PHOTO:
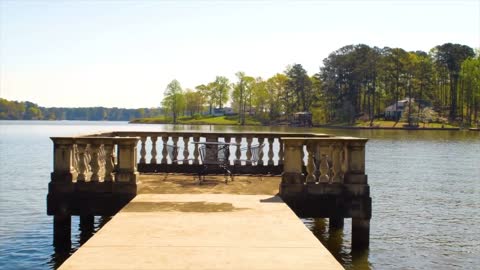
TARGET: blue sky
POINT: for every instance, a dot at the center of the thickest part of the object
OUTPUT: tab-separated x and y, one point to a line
124	53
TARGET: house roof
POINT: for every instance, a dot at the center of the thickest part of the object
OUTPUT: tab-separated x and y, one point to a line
400	105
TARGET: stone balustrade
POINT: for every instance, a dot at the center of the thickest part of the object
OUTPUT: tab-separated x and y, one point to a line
322	175
90	160
329	182
92	175
153	155
329	160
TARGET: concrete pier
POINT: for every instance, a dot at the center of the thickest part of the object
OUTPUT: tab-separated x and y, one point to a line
203	231
322	176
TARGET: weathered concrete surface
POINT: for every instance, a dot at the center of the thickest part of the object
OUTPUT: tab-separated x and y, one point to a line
213	184
203	231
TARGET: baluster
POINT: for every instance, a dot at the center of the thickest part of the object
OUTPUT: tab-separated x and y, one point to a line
109	162
324	167
260	153
94	163
270	151
164	149
310	163
185	149
101	159
227	140
143	151
249	148
337	166
88	157
302	154
238	152
75	158
196	139
317	159
175	153
64	161
344	159
153	160
280	152
82	162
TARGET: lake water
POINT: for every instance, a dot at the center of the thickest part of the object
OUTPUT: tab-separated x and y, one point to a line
425	187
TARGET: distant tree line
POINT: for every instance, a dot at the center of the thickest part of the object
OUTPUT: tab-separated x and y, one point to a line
355	81
14	110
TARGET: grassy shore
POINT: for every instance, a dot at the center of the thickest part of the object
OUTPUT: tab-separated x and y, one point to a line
233	120
391	124
204	120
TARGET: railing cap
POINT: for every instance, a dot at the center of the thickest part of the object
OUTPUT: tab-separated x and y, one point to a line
339	138
220	133
99	140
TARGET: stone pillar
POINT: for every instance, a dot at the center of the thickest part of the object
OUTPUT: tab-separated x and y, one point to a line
86	222
127	160
86	227
357	186
292	177
63	160
62	232
355	159
360	233
336	222
361	215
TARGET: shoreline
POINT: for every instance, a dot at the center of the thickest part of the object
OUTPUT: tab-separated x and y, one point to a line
250	125
389	128
322	126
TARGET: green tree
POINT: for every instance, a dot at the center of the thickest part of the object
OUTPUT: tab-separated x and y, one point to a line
242	94
260	98
451	57
470	75
276	87
194	101
206	91
220	90
173	100
394	75
299	88
349	81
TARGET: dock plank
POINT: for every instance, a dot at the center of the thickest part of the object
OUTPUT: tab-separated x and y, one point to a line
203	231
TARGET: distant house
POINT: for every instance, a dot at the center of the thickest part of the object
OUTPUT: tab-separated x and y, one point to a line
228	110
393	112
223	111
301	119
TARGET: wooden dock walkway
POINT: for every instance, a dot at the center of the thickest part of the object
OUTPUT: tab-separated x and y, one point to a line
203	231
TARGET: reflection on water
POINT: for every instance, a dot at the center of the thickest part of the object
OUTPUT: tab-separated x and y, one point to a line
338	243
79	237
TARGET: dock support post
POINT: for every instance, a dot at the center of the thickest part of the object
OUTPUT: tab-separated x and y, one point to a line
62	228
86	227
360	233
86	222
336	222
